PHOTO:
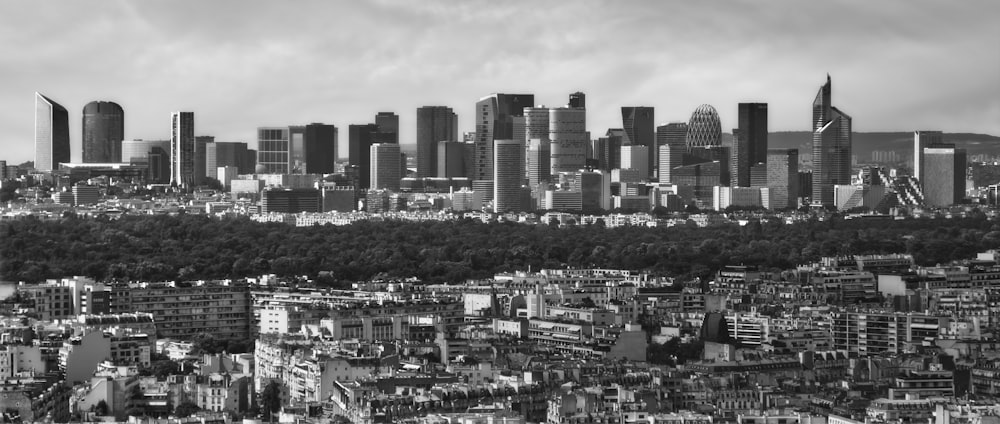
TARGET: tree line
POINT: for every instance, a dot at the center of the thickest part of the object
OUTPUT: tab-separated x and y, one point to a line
188	247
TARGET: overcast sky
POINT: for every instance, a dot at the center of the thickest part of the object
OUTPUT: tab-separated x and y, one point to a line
896	65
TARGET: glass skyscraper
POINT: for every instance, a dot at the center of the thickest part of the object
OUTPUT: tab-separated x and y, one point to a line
494	117
51	134
434	125
831	150
182	148
103	132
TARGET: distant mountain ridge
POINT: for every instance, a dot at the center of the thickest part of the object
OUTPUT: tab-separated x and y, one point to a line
864	143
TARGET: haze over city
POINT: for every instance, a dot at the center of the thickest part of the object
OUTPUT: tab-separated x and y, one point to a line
897	66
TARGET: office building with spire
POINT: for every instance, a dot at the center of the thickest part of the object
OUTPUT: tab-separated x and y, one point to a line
831	149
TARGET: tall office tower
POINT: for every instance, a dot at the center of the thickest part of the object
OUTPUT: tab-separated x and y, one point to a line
638	124
494	117
385	166
636	157
704	128
220	154
921	140
577	99
539	161
51	134
388	127
182	148
434	125
273	150
103	132
607	150
320	148
450	159
831	150
508	174
250	162
783	177
154	154
201	143
536	127
944	175
749	142
359	141
595	188
569	138
3	170
297	149
671	143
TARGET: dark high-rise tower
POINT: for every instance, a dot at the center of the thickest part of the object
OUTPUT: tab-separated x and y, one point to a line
103	132
51	134
388	127
182	148
638	124
359	142
320	148
577	99
749	143
671	145
831	150
494	116
434	125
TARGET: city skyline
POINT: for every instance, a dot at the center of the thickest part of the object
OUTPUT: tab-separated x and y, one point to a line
877	57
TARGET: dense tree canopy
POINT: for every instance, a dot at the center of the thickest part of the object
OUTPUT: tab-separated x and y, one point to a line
195	247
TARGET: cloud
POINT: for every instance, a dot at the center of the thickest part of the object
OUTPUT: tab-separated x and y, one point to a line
896	65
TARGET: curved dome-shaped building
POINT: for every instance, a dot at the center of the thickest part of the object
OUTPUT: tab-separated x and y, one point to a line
704	128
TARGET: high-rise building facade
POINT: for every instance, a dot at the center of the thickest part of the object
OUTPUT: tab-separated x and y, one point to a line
704	128
222	154
508	175
831	150
944	175
539	165
201	143
274	149
921	140
320	145
103	132
671	142
388	127
636	157
51	134
297	149
182	148
359	141
637	121
494	118
434	125
577	99
569	138
783	177
749	142
450	159
385	166
155	154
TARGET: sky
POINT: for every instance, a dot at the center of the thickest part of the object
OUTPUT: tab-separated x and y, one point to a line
896	65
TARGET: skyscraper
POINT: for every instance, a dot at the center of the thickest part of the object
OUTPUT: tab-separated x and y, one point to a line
494	117
220	154
297	149
434	125
385	166
636	157
944	175
450	159
921	140
671	142
569	138
749	142
201	143
359	141
831	150
388	127
320	148
155	154
508	175
704	128
51	134
103	132
638	124
539	162
274	149
783	177
577	99
182	148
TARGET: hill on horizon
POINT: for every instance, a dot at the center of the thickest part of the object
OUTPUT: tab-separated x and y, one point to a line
864	143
